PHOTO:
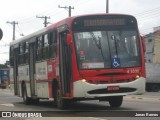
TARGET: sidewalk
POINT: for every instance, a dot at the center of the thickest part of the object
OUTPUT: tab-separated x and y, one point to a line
149	96
5	90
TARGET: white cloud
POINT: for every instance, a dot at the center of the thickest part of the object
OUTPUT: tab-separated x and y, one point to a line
146	24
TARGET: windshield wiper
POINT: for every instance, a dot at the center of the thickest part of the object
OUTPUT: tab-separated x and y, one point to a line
97	41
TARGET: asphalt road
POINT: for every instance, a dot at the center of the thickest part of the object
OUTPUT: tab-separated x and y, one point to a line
90	110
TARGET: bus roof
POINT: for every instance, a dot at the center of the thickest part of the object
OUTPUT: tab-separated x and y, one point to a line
54	26
39	32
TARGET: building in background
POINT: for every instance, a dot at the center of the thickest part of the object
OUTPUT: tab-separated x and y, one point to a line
156	57
152	56
149	42
152	42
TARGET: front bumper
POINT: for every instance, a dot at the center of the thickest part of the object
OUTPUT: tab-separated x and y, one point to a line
86	90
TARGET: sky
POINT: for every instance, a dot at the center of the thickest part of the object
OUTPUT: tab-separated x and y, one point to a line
24	12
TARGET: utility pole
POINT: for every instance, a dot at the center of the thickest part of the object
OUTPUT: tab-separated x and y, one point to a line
14	27
68	9
45	20
107	6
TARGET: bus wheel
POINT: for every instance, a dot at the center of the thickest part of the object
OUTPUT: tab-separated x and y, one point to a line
35	101
60	102
116	101
26	99
155	88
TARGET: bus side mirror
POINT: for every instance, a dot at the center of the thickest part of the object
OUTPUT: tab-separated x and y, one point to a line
1	34
69	39
143	44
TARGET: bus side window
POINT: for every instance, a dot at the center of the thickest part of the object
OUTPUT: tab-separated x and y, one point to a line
39	45
52	44
45	49
26	55
20	54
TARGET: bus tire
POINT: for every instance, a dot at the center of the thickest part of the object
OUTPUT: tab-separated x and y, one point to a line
34	101
26	99
155	88
60	102
116	101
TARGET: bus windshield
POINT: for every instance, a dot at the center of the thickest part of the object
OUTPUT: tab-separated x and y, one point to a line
107	49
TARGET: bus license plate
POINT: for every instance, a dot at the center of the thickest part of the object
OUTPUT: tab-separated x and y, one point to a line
114	88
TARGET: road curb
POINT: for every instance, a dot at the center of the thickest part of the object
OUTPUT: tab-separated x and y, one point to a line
5	90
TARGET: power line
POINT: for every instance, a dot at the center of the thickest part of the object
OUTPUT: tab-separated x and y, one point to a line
69	8
6	44
20	31
76	2
51	11
45	20
147	12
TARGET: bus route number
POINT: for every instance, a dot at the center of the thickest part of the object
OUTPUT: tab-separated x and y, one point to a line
133	71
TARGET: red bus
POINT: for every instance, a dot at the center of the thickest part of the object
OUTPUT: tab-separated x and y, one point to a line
89	57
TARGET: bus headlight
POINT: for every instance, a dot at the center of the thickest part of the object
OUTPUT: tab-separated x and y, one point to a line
84	80
137	76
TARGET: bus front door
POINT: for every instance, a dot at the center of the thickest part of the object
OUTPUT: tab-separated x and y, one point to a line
32	57
65	64
15	72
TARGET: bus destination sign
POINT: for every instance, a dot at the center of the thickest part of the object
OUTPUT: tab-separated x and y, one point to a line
103	22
